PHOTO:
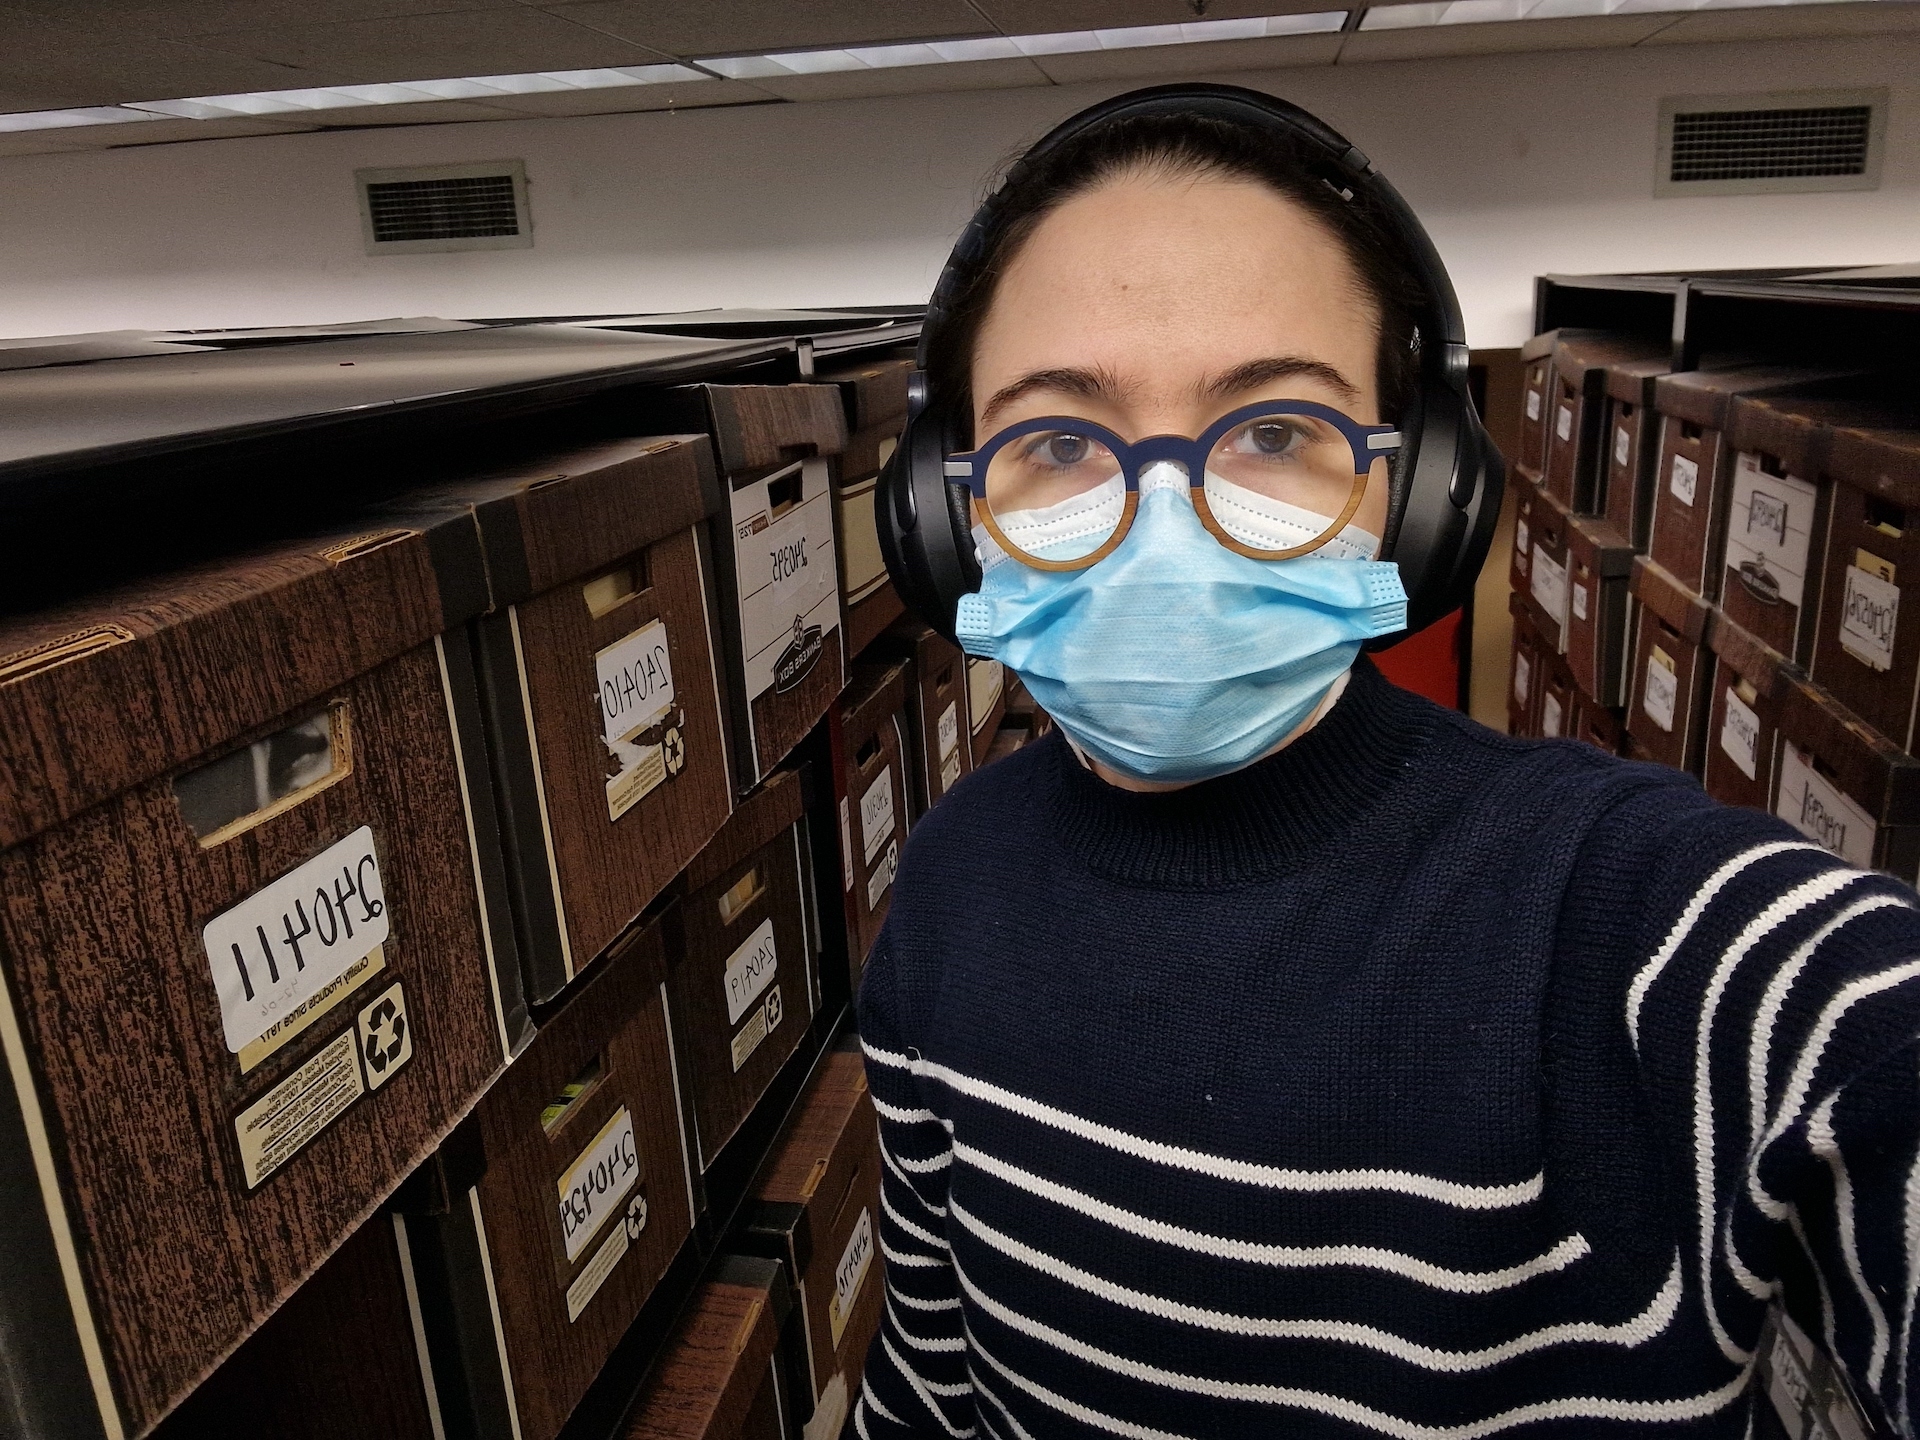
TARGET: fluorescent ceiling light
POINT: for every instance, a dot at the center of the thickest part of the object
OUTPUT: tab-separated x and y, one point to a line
69	119
1016	47
1479	12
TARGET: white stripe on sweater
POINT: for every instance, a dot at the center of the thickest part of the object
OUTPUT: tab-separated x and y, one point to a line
1637	1331
1393	1262
1690	1407
925	1390
1826	1145
1809	892
949	1344
886	1156
1222	1167
1689	917
926	1237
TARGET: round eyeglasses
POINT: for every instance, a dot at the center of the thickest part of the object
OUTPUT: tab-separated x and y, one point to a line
1279	478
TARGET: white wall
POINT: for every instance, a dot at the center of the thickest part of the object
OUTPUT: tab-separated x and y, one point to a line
1520	164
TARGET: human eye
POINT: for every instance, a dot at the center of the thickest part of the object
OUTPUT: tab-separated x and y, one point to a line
1057	450
1271	439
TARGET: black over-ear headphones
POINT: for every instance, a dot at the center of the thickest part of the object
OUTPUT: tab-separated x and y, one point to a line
1447	480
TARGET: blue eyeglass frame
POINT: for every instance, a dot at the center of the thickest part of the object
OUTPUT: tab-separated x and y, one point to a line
1368	443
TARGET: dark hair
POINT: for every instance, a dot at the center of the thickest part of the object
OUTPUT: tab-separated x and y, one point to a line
1183	145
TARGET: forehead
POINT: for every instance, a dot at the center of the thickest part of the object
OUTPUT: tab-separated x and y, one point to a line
1150	276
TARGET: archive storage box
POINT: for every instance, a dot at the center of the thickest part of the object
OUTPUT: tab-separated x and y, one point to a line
1548	592
1559	705
1667	711
869	736
338	1361
1599	726
1520	559
986	703
1536	378
720	1376
875	398
583	1200
1630	445
600	696
252	975
1845	785
782	644
939	745
817	1210
741	952
1866	651
1527	676
1576	437
1599	561
1749	680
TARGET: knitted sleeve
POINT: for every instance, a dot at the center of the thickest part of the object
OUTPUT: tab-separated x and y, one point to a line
916	1375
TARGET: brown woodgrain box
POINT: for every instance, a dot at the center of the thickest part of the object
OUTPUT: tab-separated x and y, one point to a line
1549	588
986	703
1844	784
257	963
875	397
1667	707
585	1199
1527	672
1559	705
1865	650
1577	440
1536	381
600	695
720	1377
1599	726
1693	478
1630	445
742	949
939	737
782	642
1520	558
869	738
1749	680
338	1361
817	1209
1599	561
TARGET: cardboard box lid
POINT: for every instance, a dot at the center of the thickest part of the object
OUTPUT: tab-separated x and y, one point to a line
1881	458
1702	397
1600	545
560	515
117	688
1756	662
1666	597
705	1382
755	822
1548	515
873	393
1632	380
1585	357
822	1136
877	693
1869	768
1797	427
1540	347
758	427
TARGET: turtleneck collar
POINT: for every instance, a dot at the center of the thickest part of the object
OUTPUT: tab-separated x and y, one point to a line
1253	822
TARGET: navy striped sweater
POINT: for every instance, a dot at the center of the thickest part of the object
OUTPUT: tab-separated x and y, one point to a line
1415	1082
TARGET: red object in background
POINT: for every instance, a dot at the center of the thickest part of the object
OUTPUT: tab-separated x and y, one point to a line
1428	663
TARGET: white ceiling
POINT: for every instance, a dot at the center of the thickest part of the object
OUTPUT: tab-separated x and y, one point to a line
63	54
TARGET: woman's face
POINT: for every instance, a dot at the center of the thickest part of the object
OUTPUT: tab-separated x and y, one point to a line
1154	306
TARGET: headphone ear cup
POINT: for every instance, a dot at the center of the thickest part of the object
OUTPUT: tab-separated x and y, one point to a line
926	537
1450	482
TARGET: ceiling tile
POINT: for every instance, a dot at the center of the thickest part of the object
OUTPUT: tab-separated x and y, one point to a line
624	99
1217	57
750	27
433	47
1795	22
181	18
424	112
1040	17
906	80
41	142
1591	32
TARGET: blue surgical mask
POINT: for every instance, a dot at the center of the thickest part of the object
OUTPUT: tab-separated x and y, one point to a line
1175	658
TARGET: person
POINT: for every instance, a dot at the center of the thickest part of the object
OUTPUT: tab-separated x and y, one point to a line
1269	1051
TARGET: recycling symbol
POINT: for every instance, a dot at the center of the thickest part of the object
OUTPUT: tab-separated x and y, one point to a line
636	1216
386	1040
774	1009
675	746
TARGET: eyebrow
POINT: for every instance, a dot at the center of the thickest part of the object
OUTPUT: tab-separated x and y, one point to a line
1098	383
1278	367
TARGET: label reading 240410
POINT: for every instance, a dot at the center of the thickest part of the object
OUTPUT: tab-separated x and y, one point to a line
283	950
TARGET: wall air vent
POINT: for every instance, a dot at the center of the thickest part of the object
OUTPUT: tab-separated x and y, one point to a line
1769	144
445	207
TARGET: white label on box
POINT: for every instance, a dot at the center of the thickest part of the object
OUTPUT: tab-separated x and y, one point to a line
280	1123
282	949
789	578
850	1274
1522	677
876	814
1550	715
636	683
1770	531
592	1187
588	1284
863	569
750	969
1662	689
950	729
1579	602
882	875
949	772
1563	422
1549	586
1684	480
1740	735
1522	537
984	681
1533	404
1622	444
1869	610
846	844
1820	812
764	1021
